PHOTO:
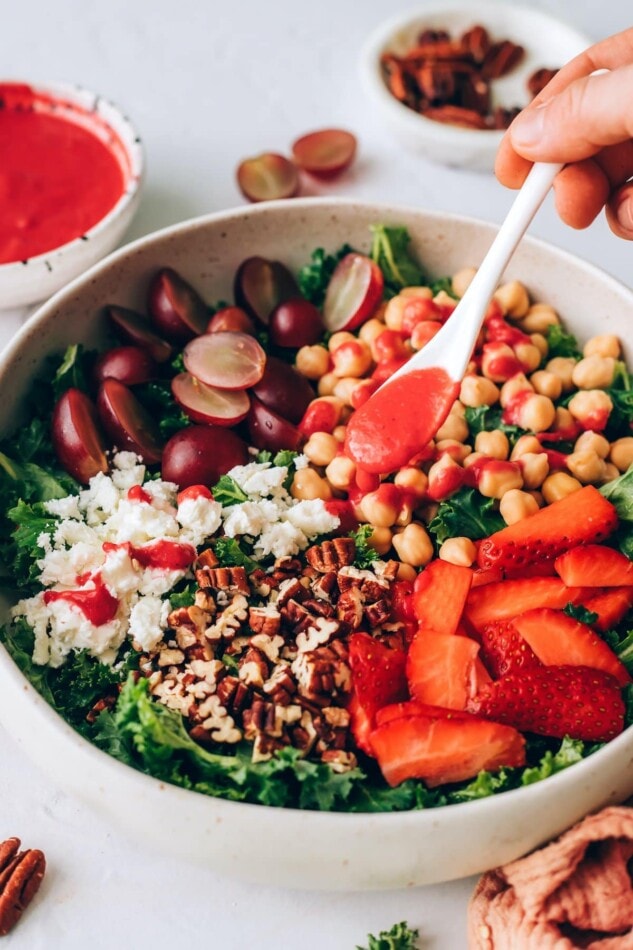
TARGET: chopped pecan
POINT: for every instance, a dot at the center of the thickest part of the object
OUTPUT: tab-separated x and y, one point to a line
437	81
400	82
269	646
234	695
456	115
320	632
500	59
432	36
539	79
446	50
206	558
264	620
264	747
216	720
108	702
281	686
321	675
378	612
168	657
290	588
349	608
260	582
253	668
324	585
474	93
476	41
261	717
331	555
371	586
303	735
224	578
339	760
229	621
21	874
205	601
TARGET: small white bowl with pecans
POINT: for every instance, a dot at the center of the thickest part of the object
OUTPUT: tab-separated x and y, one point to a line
447	81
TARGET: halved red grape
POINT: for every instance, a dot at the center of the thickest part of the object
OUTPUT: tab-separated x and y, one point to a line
77	437
127	422
295	323
135	329
268	430
260	285
353	294
233	319
207	404
177	309
199	455
226	360
128	364
284	390
325	153
267	177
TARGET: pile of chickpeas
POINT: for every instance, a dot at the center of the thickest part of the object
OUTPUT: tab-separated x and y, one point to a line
520	479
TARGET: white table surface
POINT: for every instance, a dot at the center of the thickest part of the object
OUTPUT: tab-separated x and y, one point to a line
209	83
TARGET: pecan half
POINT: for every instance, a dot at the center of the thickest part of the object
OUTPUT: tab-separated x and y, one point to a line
500	59
476	41
538	80
21	874
456	115
224	578
332	555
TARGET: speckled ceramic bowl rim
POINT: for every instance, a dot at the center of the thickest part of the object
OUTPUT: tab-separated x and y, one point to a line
443	133
114	117
366	820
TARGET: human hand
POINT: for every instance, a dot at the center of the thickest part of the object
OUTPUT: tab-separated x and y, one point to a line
587	122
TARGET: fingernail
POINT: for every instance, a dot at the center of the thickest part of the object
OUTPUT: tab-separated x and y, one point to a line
624	212
527	128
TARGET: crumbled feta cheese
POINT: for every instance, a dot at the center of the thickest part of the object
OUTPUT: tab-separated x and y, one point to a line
312	517
258	478
200	518
280	540
249	517
301	461
148	620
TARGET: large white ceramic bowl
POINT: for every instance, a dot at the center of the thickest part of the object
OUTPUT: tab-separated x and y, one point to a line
283	846
547	42
24	283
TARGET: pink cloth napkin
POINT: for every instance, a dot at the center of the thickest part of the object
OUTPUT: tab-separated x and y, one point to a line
575	892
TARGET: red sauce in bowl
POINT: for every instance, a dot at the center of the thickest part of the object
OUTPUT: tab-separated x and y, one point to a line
62	170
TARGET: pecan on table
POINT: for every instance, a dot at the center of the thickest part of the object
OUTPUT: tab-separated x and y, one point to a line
21	874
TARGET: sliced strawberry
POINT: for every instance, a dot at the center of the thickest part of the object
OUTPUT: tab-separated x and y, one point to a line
402	602
504	649
441	669
490	575
594	565
506	599
361	725
378	673
439	595
611	605
559	640
540	569
413	708
444	750
555	701
583	517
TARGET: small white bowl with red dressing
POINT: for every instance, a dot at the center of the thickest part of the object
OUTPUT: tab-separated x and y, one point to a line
70	183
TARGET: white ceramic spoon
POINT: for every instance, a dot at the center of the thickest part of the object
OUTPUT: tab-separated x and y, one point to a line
402	418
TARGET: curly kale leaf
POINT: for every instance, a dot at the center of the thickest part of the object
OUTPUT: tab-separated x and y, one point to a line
315	276
561	343
466	514
227	492
487	418
230	554
364	553
443	284
578	612
399	937
390	250
157	398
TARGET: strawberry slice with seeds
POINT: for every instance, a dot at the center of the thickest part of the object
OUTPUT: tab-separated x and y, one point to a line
583	517
439	750
439	595
490	575
611	605
361	725
413	708
555	701
505	650
506	599
594	565
559	640
443	669
378	673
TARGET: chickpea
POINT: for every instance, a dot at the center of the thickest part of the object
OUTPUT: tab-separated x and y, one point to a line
413	480
592	442
394	312
472	458
591	407
538	498
308	485
546	384
538	318
498	362
313	362
513	298
594	372
519	383
586	466
380	540
444	477
344	388
611	471
377	511
534	468
528	355
423	332
564	420
456	450
540	343
444	299
424	292
337	339
462	280
537	413
478	391
413	545
605	344
321	448
494	444
458	409
406	572
405	515
517	505
563	367
428	512
339	432
325	386
370	330
455	427
346	414
459	551
341	473
621	454
525	444
497	478
352	358
558	486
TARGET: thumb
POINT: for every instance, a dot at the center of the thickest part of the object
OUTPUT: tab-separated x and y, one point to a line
587	115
